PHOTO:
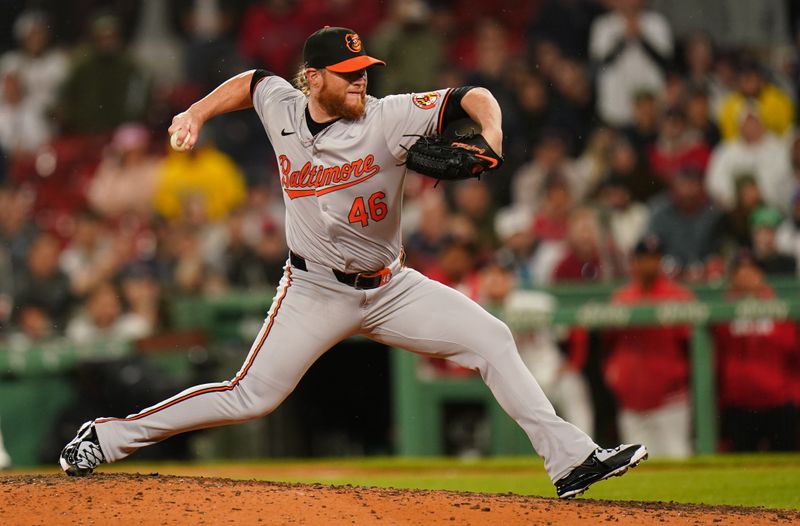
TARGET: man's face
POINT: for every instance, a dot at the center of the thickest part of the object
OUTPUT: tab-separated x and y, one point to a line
646	266
344	94
747	278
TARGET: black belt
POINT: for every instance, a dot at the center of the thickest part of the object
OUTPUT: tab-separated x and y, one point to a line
357	280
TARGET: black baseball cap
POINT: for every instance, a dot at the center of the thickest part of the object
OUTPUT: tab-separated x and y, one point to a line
338	49
649	245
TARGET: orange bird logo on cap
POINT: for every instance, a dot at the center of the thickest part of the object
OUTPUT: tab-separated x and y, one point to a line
353	42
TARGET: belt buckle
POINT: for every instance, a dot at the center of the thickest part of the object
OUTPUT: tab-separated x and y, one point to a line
385	276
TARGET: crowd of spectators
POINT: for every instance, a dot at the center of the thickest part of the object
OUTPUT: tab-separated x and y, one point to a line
620	122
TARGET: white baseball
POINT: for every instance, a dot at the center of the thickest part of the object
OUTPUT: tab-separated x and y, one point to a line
173	141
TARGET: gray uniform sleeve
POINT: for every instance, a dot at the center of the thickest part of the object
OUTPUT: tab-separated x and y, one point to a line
411	114
269	91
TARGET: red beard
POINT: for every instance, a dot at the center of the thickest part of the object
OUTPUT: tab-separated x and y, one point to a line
334	103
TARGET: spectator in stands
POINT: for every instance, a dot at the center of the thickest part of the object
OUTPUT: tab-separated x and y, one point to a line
630	48
594	162
737	220
41	69
104	320
203	180
550	160
632	169
678	147
559	377
549	227
699	116
42	282
758	152
572	105
23	128
590	255
92	255
625	219
104	88
755	363
764	223
532	99
642	132
647	368
142	294
774	108
473	203
32	325
699	58
456	267
787	237
272	250
409	43
155	46
566	23
241	264
125	181
17	229
432	232
210	53
190	272
673	95
517	244
493	44
687	224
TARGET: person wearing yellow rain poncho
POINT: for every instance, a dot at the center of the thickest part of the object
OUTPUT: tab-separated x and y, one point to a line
204	180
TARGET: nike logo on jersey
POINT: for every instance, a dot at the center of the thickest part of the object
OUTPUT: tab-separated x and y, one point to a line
285	133
320	180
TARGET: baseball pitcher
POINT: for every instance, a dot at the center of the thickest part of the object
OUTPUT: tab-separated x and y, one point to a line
341	156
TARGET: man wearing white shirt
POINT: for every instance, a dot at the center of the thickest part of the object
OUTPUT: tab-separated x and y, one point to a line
757	153
630	48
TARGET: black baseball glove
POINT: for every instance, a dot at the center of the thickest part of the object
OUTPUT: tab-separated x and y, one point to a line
452	158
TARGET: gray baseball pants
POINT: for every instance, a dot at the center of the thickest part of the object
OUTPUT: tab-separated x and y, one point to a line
310	313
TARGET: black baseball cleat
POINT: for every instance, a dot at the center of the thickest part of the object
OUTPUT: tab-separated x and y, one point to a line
600	465
83	453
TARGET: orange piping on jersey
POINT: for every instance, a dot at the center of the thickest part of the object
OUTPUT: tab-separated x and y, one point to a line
441	111
236	380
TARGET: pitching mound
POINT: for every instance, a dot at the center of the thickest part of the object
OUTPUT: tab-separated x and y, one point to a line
121	499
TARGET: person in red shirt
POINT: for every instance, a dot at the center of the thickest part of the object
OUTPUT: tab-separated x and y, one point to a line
756	362
647	368
678	147
589	255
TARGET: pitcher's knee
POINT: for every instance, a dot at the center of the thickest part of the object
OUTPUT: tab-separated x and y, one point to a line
497	336
255	399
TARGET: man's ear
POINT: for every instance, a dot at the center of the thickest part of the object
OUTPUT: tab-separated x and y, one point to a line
314	76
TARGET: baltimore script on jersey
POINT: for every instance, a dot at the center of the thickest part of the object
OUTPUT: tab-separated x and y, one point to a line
319	179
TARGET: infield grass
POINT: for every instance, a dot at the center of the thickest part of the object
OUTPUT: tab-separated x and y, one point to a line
767	480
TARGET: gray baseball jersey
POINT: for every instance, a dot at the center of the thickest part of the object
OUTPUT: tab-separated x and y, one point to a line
343	191
343	187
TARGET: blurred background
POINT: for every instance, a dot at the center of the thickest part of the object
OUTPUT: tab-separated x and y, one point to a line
651	158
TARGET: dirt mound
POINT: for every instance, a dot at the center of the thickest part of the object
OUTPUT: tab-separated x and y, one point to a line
122	499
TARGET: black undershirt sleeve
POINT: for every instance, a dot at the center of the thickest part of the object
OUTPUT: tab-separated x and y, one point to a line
257	76
451	110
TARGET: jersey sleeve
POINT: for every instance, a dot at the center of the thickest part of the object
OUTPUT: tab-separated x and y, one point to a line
269	91
405	117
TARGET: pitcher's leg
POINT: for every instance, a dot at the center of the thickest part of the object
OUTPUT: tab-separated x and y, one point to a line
301	325
424	316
